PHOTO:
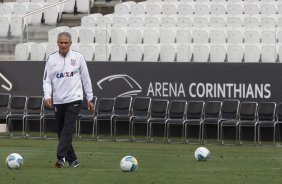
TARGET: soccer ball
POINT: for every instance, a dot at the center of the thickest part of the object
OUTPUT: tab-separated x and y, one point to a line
128	164
202	153
14	161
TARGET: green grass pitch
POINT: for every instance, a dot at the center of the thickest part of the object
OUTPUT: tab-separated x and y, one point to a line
159	163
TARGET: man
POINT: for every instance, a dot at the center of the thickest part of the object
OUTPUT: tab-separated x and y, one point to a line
65	74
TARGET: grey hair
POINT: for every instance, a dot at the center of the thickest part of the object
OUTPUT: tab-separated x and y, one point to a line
66	34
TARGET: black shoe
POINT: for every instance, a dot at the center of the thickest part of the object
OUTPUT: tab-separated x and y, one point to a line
60	163
74	164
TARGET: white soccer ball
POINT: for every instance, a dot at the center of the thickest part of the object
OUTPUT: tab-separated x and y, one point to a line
128	164
202	153
14	161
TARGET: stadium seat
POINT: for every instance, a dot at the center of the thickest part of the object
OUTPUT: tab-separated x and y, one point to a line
152	21
102	36
86	117
102	52
134	36
251	36
87	35
201	52
87	50
118	52
194	116
200	36
120	21
184	22
84	6
136	21
268	53
118	35
138	8
201	9
123	8
251	8
74	31
268	8
247	118
90	20
217	35
140	114
185	9
22	51
217	21
268	36
167	36
176	115
183	53
134	52
251	22
121	114
168	21
229	117
158	115
252	53
235	53
218	52
53	14
36	18
69	6
38	52
151	52
200	22
6	8
167	52
17	112
183	36
268	22
105	21
104	112
234	36
151	36
234	21
5	26
266	119
211	118
235	8
218	8
20	9
34	111
153	8
169	9
17	25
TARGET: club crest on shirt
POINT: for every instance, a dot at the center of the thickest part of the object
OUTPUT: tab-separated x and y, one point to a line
73	62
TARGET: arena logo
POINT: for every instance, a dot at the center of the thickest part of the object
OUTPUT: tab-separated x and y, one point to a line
8	85
209	90
122	84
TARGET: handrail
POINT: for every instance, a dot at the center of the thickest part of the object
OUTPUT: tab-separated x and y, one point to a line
35	11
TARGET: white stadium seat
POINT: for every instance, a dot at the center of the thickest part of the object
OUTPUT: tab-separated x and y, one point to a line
22	51
152	21
138	8
120	21
118	35
268	53
169	9
251	8
90	20
38	52
51	48
134	52
102	36
150	36
218	36
87	50
105	21
20	9
252	36
69	6
167	52
218	52
168	21
184	53
185	9
184	21
234	21
151	52
167	36
201	21
202	8
268	36
136	21
235	53
118	52
52	15
200	36
84	6
251	22
17	25
201	52
234	35
87	35
102	52
235	8
123	8
268	8
153	8
183	36
134	36
218	8
252	53
5	25
36	18
53	33
7	8
217	21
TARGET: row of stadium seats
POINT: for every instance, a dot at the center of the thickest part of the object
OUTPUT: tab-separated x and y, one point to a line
167	35
159	52
168	115
231	1
108	20
198	8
